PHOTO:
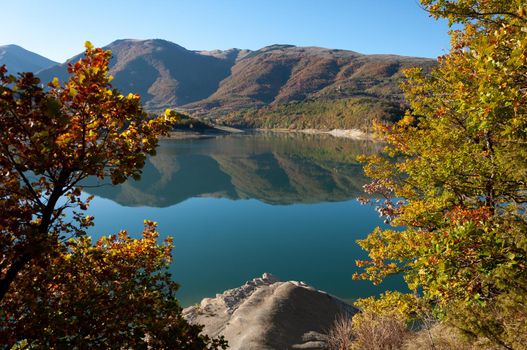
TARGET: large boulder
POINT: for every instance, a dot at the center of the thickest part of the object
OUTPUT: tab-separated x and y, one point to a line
266	313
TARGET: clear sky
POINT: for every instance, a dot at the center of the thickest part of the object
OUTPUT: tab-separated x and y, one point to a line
57	29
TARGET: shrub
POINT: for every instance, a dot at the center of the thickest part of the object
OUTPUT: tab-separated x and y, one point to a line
377	331
340	336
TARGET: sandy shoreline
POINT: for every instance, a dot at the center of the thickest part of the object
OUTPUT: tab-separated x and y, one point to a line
344	133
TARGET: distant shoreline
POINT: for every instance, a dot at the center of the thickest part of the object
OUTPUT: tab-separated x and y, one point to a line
354	134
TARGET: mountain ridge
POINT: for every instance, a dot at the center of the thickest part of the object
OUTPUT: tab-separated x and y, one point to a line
17	59
278	85
163	73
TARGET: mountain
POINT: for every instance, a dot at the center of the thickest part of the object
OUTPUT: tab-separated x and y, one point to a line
163	73
284	73
308	87
18	59
276	86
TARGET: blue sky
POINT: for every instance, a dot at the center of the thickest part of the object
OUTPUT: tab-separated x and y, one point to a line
57	29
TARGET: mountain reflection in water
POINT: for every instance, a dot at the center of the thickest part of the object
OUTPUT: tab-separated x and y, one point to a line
275	168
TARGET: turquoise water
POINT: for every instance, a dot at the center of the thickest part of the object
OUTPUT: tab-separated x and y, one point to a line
239	206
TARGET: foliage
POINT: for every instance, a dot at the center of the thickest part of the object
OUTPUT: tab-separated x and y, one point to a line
457	162
53	138
115	293
487	13
191	124
406	307
57	292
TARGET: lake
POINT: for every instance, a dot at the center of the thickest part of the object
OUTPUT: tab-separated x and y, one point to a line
243	204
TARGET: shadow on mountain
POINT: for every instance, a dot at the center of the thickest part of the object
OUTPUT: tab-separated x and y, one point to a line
275	168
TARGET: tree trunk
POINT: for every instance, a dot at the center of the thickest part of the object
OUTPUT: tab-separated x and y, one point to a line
40	235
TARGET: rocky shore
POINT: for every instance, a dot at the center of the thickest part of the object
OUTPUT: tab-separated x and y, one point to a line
266	313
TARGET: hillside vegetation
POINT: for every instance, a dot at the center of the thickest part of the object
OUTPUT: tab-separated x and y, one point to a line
348	113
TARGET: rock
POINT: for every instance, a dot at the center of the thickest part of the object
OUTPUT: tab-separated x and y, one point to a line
266	313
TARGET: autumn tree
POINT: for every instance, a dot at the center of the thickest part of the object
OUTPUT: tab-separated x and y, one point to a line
57	289
457	165
50	140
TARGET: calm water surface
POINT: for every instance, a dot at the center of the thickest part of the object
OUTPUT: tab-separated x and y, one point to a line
241	205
